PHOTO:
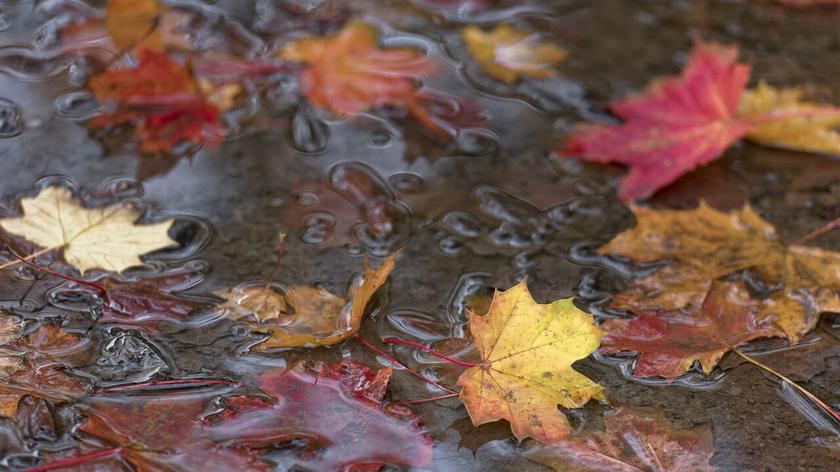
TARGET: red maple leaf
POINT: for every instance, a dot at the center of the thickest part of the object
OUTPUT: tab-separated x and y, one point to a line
161	98
670	342
679	123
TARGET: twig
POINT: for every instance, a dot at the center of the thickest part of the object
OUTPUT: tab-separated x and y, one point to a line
31	256
432	352
159	383
103	292
409	370
426	400
818	232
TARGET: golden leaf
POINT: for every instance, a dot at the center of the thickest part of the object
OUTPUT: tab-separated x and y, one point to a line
105	238
527	350
506	53
815	130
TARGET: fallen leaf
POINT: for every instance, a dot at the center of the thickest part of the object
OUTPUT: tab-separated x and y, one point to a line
634	440
811	127
527	350
670	342
305	316
105	237
348	72
338	410
507	54
131	23
674	126
704	244
161	97
11	327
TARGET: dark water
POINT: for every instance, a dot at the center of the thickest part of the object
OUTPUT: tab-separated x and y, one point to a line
477	212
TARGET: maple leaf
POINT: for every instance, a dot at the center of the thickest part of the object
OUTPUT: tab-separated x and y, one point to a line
527	350
704	244
634	440
133	22
670	342
161	96
810	127
676	125
305	316
348	72
506	53
337	409
106	237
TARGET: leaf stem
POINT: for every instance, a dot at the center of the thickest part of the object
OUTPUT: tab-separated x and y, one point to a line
427	400
834	414
73	461
823	111
432	352
818	232
103	292
158	383
31	256
409	370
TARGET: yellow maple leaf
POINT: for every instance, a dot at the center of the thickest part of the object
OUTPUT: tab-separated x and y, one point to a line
527	350
303	315
814	131
105	238
506	53
705	244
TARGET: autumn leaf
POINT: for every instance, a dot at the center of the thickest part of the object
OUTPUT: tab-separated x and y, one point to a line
160	97
348	72
527	350
305	316
700	245
338	410
811	127
670	342
131	23
680	123
507	54
634	440
106	238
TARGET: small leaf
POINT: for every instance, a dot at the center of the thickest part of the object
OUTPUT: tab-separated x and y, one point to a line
527	350
506	53
106	237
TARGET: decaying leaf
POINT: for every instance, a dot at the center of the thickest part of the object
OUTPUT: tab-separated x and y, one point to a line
811	127
704	244
348	72
527	350
670	342
11	327
634	440
131	23
161	98
506	53
305	316
105	238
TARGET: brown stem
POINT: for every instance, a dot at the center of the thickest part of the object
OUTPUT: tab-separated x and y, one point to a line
73	461
427	400
158	383
432	352
409	370
31	256
834	414
103	292
818	232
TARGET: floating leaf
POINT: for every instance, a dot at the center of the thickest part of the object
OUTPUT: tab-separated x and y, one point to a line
506	53
105	238
527	350
134	22
305	316
348	72
635	440
704	244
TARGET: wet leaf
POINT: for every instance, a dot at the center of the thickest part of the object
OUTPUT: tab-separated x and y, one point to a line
527	350
131	23
348	72
814	131
670	342
105	237
635	440
674	126
305	316
152	298
507	54
338	410
159	97
11	327
704	244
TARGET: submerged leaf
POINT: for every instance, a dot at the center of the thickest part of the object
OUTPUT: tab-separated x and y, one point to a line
635	440
527	350
106	238
506	53
134	22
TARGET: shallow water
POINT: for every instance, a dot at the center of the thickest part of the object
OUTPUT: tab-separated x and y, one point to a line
466	215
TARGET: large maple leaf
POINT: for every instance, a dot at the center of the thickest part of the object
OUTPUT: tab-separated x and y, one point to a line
700	245
348	72
634	440
527	350
670	342
161	98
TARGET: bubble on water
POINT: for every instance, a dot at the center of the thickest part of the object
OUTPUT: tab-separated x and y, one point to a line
306	199
379	138
309	134
463	224
11	119
451	246
406	182
320	227
77	106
